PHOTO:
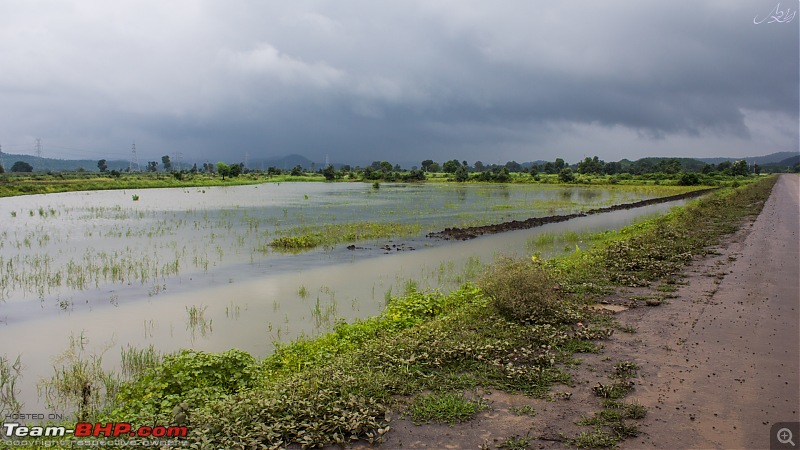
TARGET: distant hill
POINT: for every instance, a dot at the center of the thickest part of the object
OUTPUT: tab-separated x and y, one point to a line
282	162
782	164
776	161
760	160
60	165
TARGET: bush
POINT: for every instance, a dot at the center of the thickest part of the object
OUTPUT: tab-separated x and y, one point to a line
524	292
689	179
189	376
566	175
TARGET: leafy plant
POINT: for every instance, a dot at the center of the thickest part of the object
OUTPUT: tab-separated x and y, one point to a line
444	407
524	410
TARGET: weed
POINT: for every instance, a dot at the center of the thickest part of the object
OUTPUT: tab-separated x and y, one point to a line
516	443
617	389
9	375
79	381
596	439
525	292
524	410
625	369
135	362
444	407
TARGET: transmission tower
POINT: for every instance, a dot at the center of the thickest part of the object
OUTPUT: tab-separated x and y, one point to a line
38	148
2	163
246	158
134	159
177	163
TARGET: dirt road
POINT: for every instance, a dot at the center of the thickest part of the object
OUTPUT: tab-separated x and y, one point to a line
720	364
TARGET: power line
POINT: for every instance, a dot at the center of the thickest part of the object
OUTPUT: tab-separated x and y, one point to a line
134	159
178	160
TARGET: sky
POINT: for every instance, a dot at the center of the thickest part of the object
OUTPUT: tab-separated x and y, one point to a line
403	81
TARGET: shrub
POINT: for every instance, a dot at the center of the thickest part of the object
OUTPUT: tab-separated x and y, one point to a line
524	292
192	376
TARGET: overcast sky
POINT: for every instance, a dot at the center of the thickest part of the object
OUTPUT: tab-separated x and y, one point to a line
404	80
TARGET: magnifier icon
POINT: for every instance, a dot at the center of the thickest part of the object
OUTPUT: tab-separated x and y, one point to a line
785	436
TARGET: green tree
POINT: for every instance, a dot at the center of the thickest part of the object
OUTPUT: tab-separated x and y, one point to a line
21	166
689	179
102	165
514	166
223	169
385	167
236	170
670	166
461	174
2	169
451	166
167	163
329	172
566	175
478	166
591	165
503	175
297	171
739	168
152	166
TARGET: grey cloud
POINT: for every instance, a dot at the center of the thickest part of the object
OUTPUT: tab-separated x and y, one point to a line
363	80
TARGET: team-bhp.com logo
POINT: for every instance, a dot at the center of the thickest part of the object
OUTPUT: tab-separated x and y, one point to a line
85	429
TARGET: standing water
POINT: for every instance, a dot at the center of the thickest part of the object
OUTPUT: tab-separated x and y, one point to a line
193	268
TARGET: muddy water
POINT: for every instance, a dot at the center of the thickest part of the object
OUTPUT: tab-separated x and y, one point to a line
245	298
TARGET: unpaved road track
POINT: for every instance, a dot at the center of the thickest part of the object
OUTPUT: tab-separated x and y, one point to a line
720	364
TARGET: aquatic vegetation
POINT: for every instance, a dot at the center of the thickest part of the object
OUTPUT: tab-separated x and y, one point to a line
10	373
79	381
331	234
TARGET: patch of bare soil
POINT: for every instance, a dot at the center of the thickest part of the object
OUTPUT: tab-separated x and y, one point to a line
718	357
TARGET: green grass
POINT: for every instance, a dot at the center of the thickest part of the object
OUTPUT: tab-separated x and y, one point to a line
516	443
525	410
328	235
41	183
444	407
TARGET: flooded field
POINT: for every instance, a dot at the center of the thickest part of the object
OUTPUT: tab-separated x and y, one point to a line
196	268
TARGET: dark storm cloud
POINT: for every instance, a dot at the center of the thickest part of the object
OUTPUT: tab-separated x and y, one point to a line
364	80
